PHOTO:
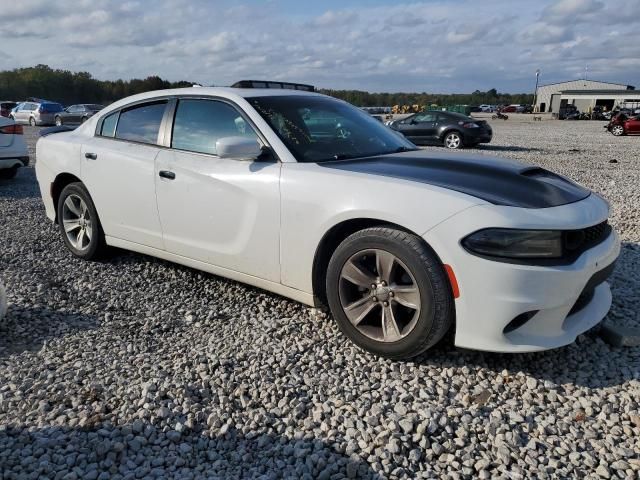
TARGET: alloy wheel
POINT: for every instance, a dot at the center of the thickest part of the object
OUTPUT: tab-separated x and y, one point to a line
379	295
77	222
453	140
58	121
617	130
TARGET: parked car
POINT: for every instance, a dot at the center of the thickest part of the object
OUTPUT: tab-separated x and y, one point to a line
13	149
77	114
36	113
6	107
488	108
509	109
453	130
403	244
622	124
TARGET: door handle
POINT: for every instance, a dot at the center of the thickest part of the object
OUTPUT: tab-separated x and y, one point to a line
167	174
91	156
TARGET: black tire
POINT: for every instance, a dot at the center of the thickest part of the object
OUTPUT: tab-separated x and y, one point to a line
493	117
8	173
453	140
82	120
437	309
32	121
59	121
97	245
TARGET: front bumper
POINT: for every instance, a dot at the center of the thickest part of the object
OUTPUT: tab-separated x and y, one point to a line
493	293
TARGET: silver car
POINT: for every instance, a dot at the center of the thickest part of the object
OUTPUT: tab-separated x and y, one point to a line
36	113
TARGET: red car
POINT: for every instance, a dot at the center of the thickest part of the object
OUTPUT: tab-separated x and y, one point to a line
509	109
621	124
6	107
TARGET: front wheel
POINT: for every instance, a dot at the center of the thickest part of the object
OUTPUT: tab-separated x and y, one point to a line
388	292
453	140
617	130
79	223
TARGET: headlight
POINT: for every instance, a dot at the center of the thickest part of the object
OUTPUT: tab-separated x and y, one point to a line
502	242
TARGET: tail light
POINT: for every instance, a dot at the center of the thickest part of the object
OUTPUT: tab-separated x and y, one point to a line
12	130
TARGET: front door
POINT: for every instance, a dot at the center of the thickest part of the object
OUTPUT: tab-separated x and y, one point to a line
633	125
221	211
420	128
118	168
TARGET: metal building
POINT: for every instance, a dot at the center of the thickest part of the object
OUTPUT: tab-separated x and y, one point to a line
549	96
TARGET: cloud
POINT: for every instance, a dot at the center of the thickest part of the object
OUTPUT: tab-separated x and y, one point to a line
432	45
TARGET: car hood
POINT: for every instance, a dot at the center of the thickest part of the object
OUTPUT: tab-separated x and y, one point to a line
495	180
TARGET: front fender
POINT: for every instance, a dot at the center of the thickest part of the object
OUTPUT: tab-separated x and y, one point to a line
314	199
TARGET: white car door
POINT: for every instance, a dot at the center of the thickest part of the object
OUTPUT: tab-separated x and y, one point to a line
224	212
118	168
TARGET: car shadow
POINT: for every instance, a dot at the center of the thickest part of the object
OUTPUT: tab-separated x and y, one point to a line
23	186
146	449
26	329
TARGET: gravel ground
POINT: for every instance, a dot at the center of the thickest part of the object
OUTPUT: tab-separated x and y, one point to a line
137	368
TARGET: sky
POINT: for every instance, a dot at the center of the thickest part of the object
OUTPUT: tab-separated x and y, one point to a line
435	46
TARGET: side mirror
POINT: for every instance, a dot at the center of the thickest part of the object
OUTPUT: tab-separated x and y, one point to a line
238	148
413	121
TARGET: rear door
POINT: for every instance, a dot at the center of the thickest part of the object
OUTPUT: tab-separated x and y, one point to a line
118	168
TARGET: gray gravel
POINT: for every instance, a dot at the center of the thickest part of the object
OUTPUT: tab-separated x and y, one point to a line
137	368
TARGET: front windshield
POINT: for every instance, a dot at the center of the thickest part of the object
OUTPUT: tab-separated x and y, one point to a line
322	129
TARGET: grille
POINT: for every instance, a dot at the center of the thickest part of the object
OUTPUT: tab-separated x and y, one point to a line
577	241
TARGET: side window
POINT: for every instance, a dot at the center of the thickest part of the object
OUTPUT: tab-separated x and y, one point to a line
141	123
198	124
72	109
109	125
425	117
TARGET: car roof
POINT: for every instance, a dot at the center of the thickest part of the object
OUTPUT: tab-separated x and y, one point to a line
230	93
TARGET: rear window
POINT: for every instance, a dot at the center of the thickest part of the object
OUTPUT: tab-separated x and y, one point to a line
51	107
94	107
141	123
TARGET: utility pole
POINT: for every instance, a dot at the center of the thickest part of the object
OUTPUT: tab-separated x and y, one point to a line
535	93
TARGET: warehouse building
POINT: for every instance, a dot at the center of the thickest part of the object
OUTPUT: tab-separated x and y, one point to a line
583	94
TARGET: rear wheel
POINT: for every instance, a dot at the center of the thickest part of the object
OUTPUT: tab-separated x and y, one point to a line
8	173
388	292
79	223
32	121
617	130
453	140
58	121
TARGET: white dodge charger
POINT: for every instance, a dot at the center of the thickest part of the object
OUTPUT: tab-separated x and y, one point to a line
311	198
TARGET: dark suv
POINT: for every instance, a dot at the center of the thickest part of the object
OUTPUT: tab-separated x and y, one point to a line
453	130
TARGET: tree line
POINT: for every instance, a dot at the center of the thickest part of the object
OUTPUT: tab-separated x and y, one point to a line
490	97
69	87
